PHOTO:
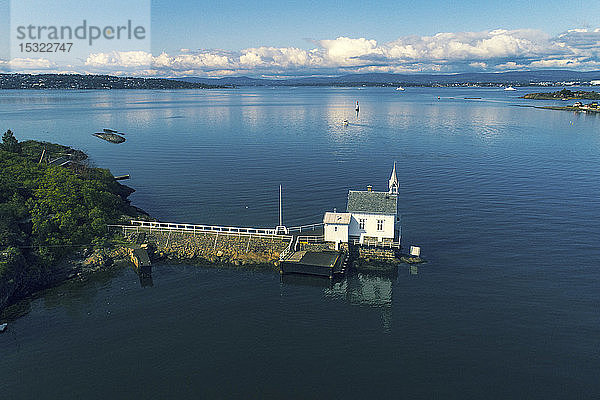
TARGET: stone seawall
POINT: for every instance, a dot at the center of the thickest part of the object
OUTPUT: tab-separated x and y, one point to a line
375	259
369	253
220	248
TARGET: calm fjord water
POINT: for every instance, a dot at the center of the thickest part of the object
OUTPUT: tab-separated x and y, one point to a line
504	201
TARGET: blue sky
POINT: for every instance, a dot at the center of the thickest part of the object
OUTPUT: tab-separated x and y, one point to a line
237	25
301	38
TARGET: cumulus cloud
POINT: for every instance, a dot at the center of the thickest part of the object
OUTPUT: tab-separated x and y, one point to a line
126	59
345	51
491	50
29	64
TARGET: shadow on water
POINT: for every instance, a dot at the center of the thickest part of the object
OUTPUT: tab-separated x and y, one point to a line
78	295
70	295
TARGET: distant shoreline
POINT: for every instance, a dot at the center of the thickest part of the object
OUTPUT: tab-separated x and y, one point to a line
564	94
555	78
94	82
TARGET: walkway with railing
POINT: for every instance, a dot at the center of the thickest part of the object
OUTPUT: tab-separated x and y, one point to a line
294	239
190	228
304	228
376	243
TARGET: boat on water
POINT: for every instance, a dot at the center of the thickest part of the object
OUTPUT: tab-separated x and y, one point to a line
400	88
510	88
345	122
3	327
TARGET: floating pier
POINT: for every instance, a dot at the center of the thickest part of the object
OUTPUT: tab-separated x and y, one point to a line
321	263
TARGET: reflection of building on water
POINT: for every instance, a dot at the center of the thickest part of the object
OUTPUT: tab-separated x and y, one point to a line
361	289
369	290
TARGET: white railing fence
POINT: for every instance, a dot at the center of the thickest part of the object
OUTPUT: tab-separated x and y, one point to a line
301	228
375	243
288	251
201	228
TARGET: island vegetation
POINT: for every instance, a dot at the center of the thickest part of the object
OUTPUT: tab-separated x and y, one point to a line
53	205
564	94
82	82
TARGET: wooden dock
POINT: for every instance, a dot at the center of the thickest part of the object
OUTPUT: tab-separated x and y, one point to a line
327	263
139	257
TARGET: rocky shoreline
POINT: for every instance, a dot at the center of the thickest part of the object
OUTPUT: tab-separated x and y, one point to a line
85	263
78	266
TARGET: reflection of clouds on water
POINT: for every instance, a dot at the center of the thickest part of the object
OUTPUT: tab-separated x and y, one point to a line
340	110
251	115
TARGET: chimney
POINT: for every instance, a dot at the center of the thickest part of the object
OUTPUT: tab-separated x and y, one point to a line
369	188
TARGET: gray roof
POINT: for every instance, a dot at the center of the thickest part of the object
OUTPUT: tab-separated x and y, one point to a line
372	202
336	218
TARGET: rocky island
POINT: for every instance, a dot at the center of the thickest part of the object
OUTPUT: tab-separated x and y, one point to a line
564	94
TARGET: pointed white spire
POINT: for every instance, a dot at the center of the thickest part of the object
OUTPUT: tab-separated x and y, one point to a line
393	184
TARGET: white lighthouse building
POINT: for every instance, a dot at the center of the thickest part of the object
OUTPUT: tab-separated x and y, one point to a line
371	217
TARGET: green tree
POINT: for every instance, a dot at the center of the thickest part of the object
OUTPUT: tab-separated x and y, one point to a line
10	142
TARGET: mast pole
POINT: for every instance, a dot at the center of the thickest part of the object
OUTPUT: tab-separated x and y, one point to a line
280	208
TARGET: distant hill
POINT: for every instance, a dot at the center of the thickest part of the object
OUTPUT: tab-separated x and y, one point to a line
235	81
521	78
74	81
515	78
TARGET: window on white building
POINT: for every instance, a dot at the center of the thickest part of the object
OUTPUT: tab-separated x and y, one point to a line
361	223
379	224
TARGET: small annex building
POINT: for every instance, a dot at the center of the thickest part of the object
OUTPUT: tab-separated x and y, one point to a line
336	227
371	217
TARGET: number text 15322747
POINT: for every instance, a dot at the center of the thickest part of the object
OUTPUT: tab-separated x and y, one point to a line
45	47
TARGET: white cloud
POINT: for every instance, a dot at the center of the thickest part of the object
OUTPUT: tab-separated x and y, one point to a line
30	64
126	59
345	51
492	50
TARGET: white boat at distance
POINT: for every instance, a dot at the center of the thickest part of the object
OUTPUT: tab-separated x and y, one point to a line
400	88
3	327
510	88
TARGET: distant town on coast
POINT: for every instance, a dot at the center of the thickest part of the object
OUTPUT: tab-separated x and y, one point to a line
515	78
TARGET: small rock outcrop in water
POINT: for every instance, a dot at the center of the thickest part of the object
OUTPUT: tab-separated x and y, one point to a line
412	259
110	137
